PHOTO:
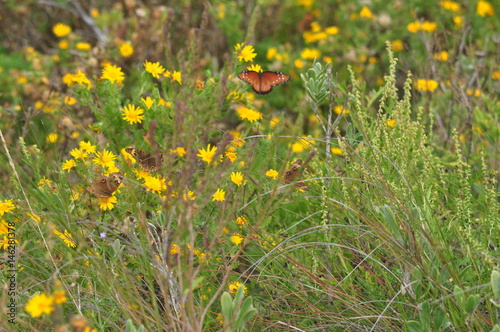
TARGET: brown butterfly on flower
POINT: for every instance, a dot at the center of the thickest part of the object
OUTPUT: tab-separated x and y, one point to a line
291	174
147	161
105	186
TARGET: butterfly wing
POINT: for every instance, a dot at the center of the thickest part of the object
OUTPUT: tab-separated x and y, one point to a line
251	77
147	161
270	79
104	187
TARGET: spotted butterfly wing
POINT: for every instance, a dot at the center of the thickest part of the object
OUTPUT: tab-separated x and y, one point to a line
291	174
105	186
263	83
147	161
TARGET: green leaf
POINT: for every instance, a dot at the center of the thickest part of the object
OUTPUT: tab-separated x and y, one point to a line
440	319
495	283
460	296
425	315
471	303
227	306
495	328
414	326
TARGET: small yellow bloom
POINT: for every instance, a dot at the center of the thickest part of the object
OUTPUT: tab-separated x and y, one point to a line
441	56
451	6
246	113
6	206
174	249
236	178
87	147
310	54
63	44
207	154
180	151
126	50
40	304
156	184
236	239
113	74
68	165
231	156
70	101
337	151
298	63
391	123
132	114
426	85
66	237
154	69
220	195
233	287
414	27
474	92
107	203
458	21
340	109
177	76
245	53
273	174
52	138
241	221
333	30
61	30
271	53
94	12
78	153
365	12
255	67
105	159
148	102
484	8
83	46
496	75
60	296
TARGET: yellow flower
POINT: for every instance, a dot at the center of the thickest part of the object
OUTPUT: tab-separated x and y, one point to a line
365	12
52	138
148	102
107	203
6	206
298	63
496	75
297	147
245	53
40	304
414	27
155	183
95	13
458	21
154	69
233	287
237	140
241	221
181	152
246	113
451	6
132	114
80	78
106	159
484	8
426	85
34	216
220	195
60	296
310	54
66	237
255	67
271	53
208	154
337	151
177	76
68	165
474	92
231	156
87	147
339	109
61	30
391	123
273	174
441	56
236	239
83	46
63	44
189	196
126	50
236	178
113	74
78	153
44	182
70	101
175	249
429	26
333	30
